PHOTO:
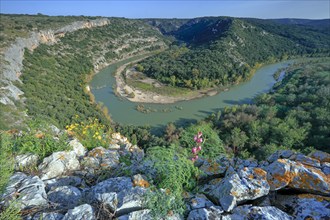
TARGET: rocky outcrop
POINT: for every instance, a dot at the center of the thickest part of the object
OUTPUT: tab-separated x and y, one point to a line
287	186
13	56
237	187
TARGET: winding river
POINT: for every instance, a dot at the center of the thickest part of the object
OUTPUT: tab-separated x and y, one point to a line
124	111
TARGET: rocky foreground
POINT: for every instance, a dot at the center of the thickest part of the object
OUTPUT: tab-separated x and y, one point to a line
99	184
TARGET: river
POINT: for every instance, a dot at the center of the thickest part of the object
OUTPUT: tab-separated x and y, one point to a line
124	112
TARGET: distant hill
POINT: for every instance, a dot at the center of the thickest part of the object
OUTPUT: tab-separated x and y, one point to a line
226	50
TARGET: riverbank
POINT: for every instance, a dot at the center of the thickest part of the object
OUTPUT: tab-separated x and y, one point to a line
138	95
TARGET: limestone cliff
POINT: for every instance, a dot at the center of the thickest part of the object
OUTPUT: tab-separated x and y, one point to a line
13	56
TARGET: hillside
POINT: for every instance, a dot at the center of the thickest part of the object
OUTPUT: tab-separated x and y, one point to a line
222	50
68	56
62	157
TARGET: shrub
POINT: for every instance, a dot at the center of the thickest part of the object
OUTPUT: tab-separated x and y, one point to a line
212	146
175	173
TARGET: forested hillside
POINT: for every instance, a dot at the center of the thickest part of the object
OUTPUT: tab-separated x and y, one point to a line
55	76
221	50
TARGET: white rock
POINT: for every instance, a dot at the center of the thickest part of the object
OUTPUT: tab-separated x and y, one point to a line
78	148
58	164
29	191
23	161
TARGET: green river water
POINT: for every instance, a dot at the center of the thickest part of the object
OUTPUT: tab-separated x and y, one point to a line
124	112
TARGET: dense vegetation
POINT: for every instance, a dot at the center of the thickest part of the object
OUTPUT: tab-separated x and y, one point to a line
55	76
294	116
224	51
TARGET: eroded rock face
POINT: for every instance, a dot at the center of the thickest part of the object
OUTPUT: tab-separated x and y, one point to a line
285	173
256	212
85	212
58	164
305	206
236	187
29	191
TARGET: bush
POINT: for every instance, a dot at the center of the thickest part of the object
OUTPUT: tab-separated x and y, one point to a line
212	146
175	173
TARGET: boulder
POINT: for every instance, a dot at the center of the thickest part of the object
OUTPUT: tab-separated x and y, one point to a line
82	212
305	206
200	201
78	148
24	161
306	160
256	212
281	154
130	200
106	158
211	213
65	197
237	187
65	181
320	156
117	185
29	191
285	173
213	169
58	164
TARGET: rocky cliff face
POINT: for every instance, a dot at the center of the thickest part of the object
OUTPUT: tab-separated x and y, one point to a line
81	184
13	56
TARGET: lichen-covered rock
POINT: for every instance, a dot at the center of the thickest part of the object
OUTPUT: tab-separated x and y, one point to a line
65	181
200	201
46	216
130	200
285	173
212	213
247	184
281	154
305	206
106	158
321	156
23	161
306	160
66	197
139	180
279	174
326	169
78	148
29	191
213	169
82	212
256	212
58	164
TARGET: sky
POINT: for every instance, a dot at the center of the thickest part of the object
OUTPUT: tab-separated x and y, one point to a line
311	9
